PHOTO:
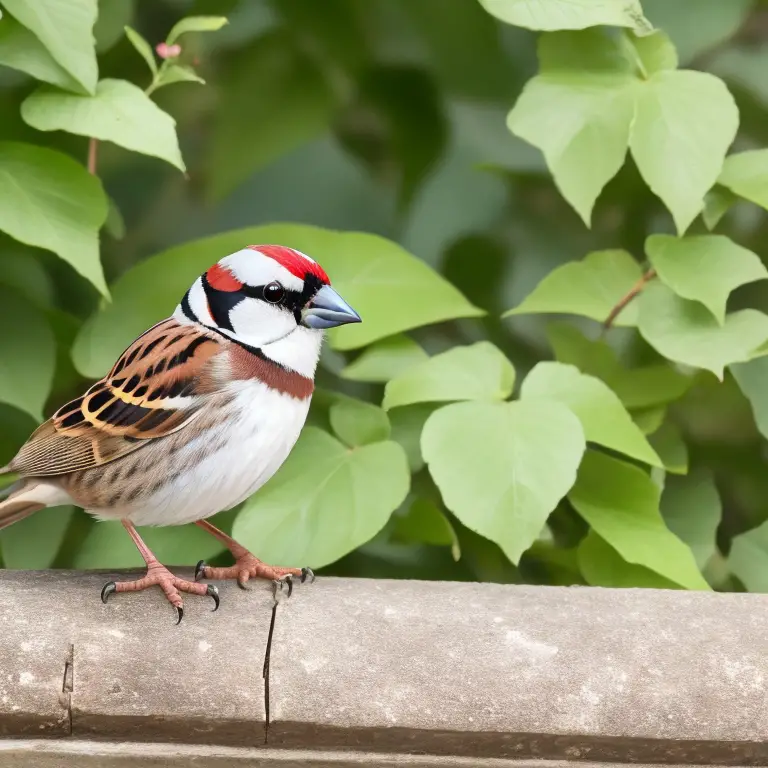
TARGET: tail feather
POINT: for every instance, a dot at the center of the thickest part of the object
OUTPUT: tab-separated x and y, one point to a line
13	510
28	496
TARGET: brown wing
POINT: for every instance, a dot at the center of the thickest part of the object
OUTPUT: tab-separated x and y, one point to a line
156	387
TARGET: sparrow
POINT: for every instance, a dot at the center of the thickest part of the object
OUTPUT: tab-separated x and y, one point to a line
194	417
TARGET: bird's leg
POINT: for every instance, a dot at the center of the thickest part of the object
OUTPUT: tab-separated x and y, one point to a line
158	575
247	565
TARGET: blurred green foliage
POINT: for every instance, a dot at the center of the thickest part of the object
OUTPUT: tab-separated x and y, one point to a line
550	218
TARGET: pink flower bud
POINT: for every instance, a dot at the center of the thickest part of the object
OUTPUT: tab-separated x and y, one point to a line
165	51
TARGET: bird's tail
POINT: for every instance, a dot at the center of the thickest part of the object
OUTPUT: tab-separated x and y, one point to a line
12	510
26	497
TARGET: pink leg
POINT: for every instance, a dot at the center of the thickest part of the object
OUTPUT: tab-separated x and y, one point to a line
246	565
158	575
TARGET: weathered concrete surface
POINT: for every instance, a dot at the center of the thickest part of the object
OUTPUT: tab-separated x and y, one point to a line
387	668
95	754
135	674
503	671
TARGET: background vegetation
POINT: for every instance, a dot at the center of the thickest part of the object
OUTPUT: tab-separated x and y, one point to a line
609	429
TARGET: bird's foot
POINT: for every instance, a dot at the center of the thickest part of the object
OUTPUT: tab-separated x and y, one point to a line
159	575
248	566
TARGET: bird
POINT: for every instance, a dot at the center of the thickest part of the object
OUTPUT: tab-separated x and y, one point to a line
195	416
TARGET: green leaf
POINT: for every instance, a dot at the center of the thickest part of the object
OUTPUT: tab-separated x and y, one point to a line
746	175
27	354
274	99
143	48
654	52
339	498
748	558
107	545
385	359
195	24
578	112
683	124
621	504
65	28
425	523
717	203
119	112
752	378
50	201
685	331
503	467
692	511
21	50
367	270
602	566
33	543
359	423
705	268
111	21
604	419
115	223
590	287
696	26
668	443
569	14
477	372
649	419
176	73
407	425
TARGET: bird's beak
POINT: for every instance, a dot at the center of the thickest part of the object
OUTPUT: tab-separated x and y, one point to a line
328	310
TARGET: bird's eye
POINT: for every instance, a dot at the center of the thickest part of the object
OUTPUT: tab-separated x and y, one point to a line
274	293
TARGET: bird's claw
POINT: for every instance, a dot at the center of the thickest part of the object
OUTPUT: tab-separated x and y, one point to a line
213	592
180	613
307	573
200	570
107	590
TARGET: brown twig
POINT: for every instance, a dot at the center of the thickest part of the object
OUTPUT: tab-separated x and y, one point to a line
622	303
93	146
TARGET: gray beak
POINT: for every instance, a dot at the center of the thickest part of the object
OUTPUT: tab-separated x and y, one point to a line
328	310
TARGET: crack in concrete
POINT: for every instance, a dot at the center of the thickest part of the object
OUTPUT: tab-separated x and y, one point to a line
68	685
265	670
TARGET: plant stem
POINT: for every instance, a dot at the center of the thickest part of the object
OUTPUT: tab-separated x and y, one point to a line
93	146
622	303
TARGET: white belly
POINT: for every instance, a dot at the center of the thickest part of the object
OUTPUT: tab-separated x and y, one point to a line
258	439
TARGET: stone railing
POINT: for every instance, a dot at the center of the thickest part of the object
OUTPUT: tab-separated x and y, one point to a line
380	673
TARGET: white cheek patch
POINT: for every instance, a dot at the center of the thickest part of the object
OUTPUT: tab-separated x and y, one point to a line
253	268
257	323
198	301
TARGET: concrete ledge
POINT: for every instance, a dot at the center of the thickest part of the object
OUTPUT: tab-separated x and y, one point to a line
444	672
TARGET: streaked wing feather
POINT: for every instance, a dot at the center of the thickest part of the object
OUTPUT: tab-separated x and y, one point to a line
156	387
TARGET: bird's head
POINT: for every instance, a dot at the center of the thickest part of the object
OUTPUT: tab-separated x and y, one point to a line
263	294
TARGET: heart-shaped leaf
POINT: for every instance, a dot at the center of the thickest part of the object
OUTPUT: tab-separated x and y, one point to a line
503	467
687	332
704	268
